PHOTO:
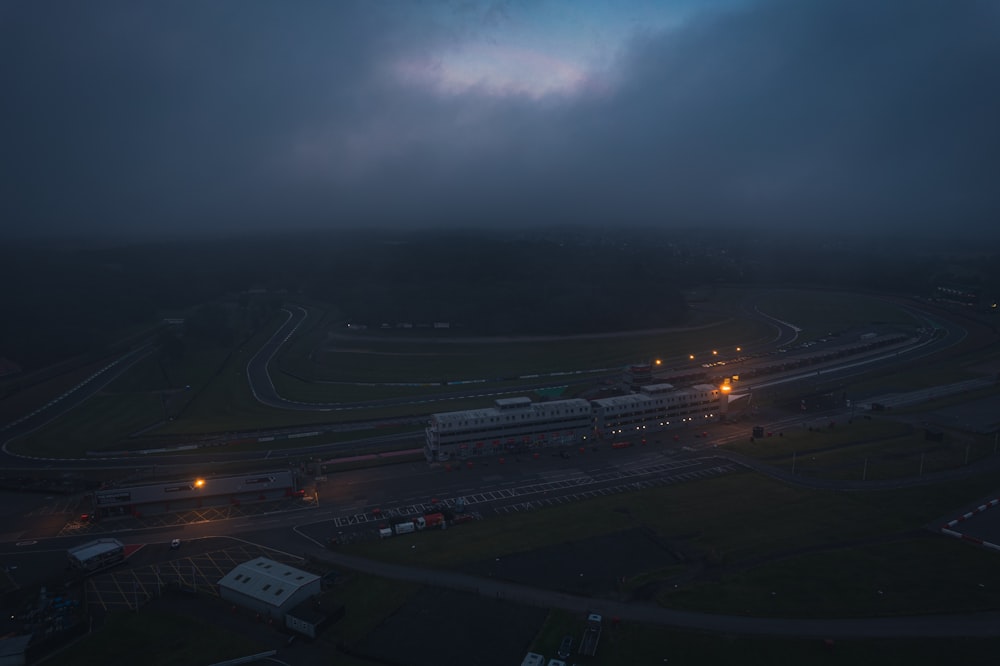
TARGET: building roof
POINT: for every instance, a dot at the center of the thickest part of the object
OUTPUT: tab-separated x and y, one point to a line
650	394
507	403
624	400
657	388
266	580
187	489
86	551
532	410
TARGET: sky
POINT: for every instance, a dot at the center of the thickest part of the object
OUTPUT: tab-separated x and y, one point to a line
148	118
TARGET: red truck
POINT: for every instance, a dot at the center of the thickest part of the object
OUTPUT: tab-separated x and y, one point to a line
431	521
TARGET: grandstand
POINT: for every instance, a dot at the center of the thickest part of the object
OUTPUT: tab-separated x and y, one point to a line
518	425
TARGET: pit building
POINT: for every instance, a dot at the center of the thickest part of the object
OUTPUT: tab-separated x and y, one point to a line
195	493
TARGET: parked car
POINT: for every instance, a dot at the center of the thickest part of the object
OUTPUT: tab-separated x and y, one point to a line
566	647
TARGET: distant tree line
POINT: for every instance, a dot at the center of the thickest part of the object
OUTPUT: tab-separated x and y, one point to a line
62	301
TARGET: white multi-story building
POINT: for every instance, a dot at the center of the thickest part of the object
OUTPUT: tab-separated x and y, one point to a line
518	424
513	424
656	407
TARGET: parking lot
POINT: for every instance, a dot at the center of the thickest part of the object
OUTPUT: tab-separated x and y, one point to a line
128	587
535	495
525	497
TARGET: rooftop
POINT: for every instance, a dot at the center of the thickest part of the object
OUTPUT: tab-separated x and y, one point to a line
266	580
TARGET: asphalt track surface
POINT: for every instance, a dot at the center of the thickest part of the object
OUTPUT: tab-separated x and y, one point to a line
262	385
979	625
263	389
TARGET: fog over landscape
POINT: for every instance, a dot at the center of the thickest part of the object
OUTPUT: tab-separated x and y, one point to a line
149	119
486	332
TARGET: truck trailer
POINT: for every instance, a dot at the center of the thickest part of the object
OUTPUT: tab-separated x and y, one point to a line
404	528
431	521
96	555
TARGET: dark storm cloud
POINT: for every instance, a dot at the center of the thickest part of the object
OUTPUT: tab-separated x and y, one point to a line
127	114
151	116
851	112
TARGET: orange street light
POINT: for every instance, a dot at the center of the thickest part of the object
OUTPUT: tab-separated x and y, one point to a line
657	361
715	352
199	483
691	356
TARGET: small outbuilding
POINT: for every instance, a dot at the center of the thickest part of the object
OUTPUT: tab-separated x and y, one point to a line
268	587
312	616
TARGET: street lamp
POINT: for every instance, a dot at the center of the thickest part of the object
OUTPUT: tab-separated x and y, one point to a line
199	483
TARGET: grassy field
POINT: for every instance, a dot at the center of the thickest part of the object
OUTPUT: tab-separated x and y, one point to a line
144	396
757	536
370	599
350	392
99	425
818	313
797	549
156	638
381	360
366	443
874	449
910	379
21	397
220	401
740	523
377	357
630	643
771	550
842	582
